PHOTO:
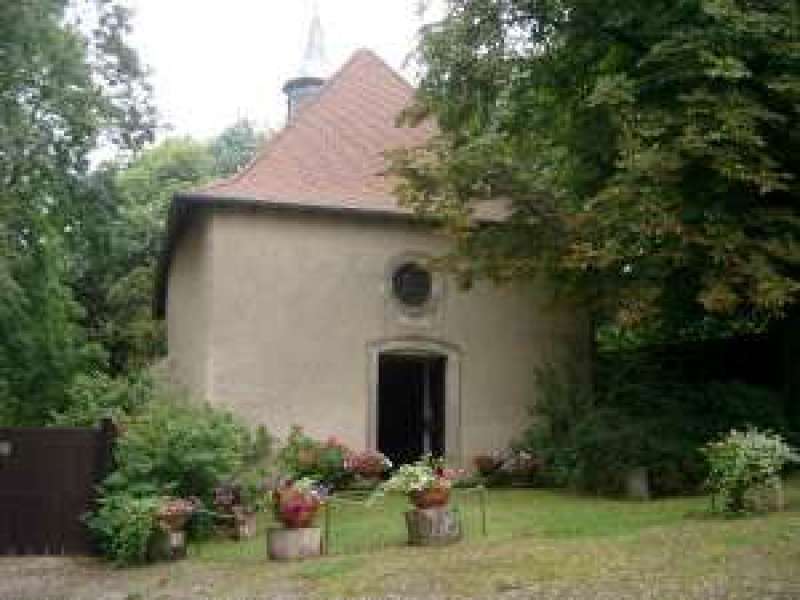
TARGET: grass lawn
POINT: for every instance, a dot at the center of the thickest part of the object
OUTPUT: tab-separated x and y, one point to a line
546	539
540	545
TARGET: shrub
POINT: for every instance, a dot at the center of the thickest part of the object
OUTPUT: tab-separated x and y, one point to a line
123	526
178	449
97	396
744	461
641	415
556	415
171	447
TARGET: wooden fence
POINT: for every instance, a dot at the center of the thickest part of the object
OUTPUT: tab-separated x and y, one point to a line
47	484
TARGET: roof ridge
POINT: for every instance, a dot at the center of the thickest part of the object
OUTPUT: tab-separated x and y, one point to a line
270	145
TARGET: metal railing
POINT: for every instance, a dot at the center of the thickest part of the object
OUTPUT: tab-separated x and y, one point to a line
356	522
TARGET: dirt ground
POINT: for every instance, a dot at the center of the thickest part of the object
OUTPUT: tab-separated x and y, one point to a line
596	550
743	576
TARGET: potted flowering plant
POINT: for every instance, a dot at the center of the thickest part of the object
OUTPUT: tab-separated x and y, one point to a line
174	513
237	505
295	504
169	540
306	457
427	482
368	465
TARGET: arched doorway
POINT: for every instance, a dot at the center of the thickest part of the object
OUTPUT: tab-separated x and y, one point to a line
414	399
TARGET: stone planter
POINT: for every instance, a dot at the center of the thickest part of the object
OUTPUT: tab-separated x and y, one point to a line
167	545
637	484
294	544
433	527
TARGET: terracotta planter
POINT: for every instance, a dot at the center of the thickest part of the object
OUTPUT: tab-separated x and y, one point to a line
434	497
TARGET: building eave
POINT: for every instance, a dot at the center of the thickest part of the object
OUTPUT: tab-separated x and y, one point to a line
184	203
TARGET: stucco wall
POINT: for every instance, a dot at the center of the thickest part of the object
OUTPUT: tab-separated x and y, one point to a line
188	308
297	302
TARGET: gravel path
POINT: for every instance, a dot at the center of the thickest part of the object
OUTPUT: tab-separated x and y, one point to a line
34	578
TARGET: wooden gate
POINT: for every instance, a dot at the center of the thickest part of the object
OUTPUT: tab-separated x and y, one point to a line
47	483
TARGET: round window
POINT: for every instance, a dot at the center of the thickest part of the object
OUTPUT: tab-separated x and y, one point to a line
412	284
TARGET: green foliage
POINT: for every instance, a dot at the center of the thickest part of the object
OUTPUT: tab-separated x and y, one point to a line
743	461
42	347
178	449
64	86
124	526
168	447
96	396
118	239
560	407
78	248
645	151
305	457
132	335
235	147
641	415
147	185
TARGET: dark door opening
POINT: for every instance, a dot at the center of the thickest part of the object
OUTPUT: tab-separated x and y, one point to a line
411	391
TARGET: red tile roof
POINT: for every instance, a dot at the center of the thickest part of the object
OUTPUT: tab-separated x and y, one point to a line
328	158
331	155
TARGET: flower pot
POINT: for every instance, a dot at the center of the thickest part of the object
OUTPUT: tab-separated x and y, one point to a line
433	497
294	544
167	544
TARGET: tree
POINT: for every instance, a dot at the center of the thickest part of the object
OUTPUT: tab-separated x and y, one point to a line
646	151
118	243
68	82
235	147
43	346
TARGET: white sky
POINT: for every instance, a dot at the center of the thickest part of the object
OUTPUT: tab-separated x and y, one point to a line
215	61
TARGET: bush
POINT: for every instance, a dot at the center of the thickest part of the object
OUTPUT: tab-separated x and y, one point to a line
168	447
93	397
556	416
123	526
178	449
744	461
641	415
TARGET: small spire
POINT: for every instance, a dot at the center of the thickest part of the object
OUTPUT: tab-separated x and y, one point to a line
315	62
313	70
